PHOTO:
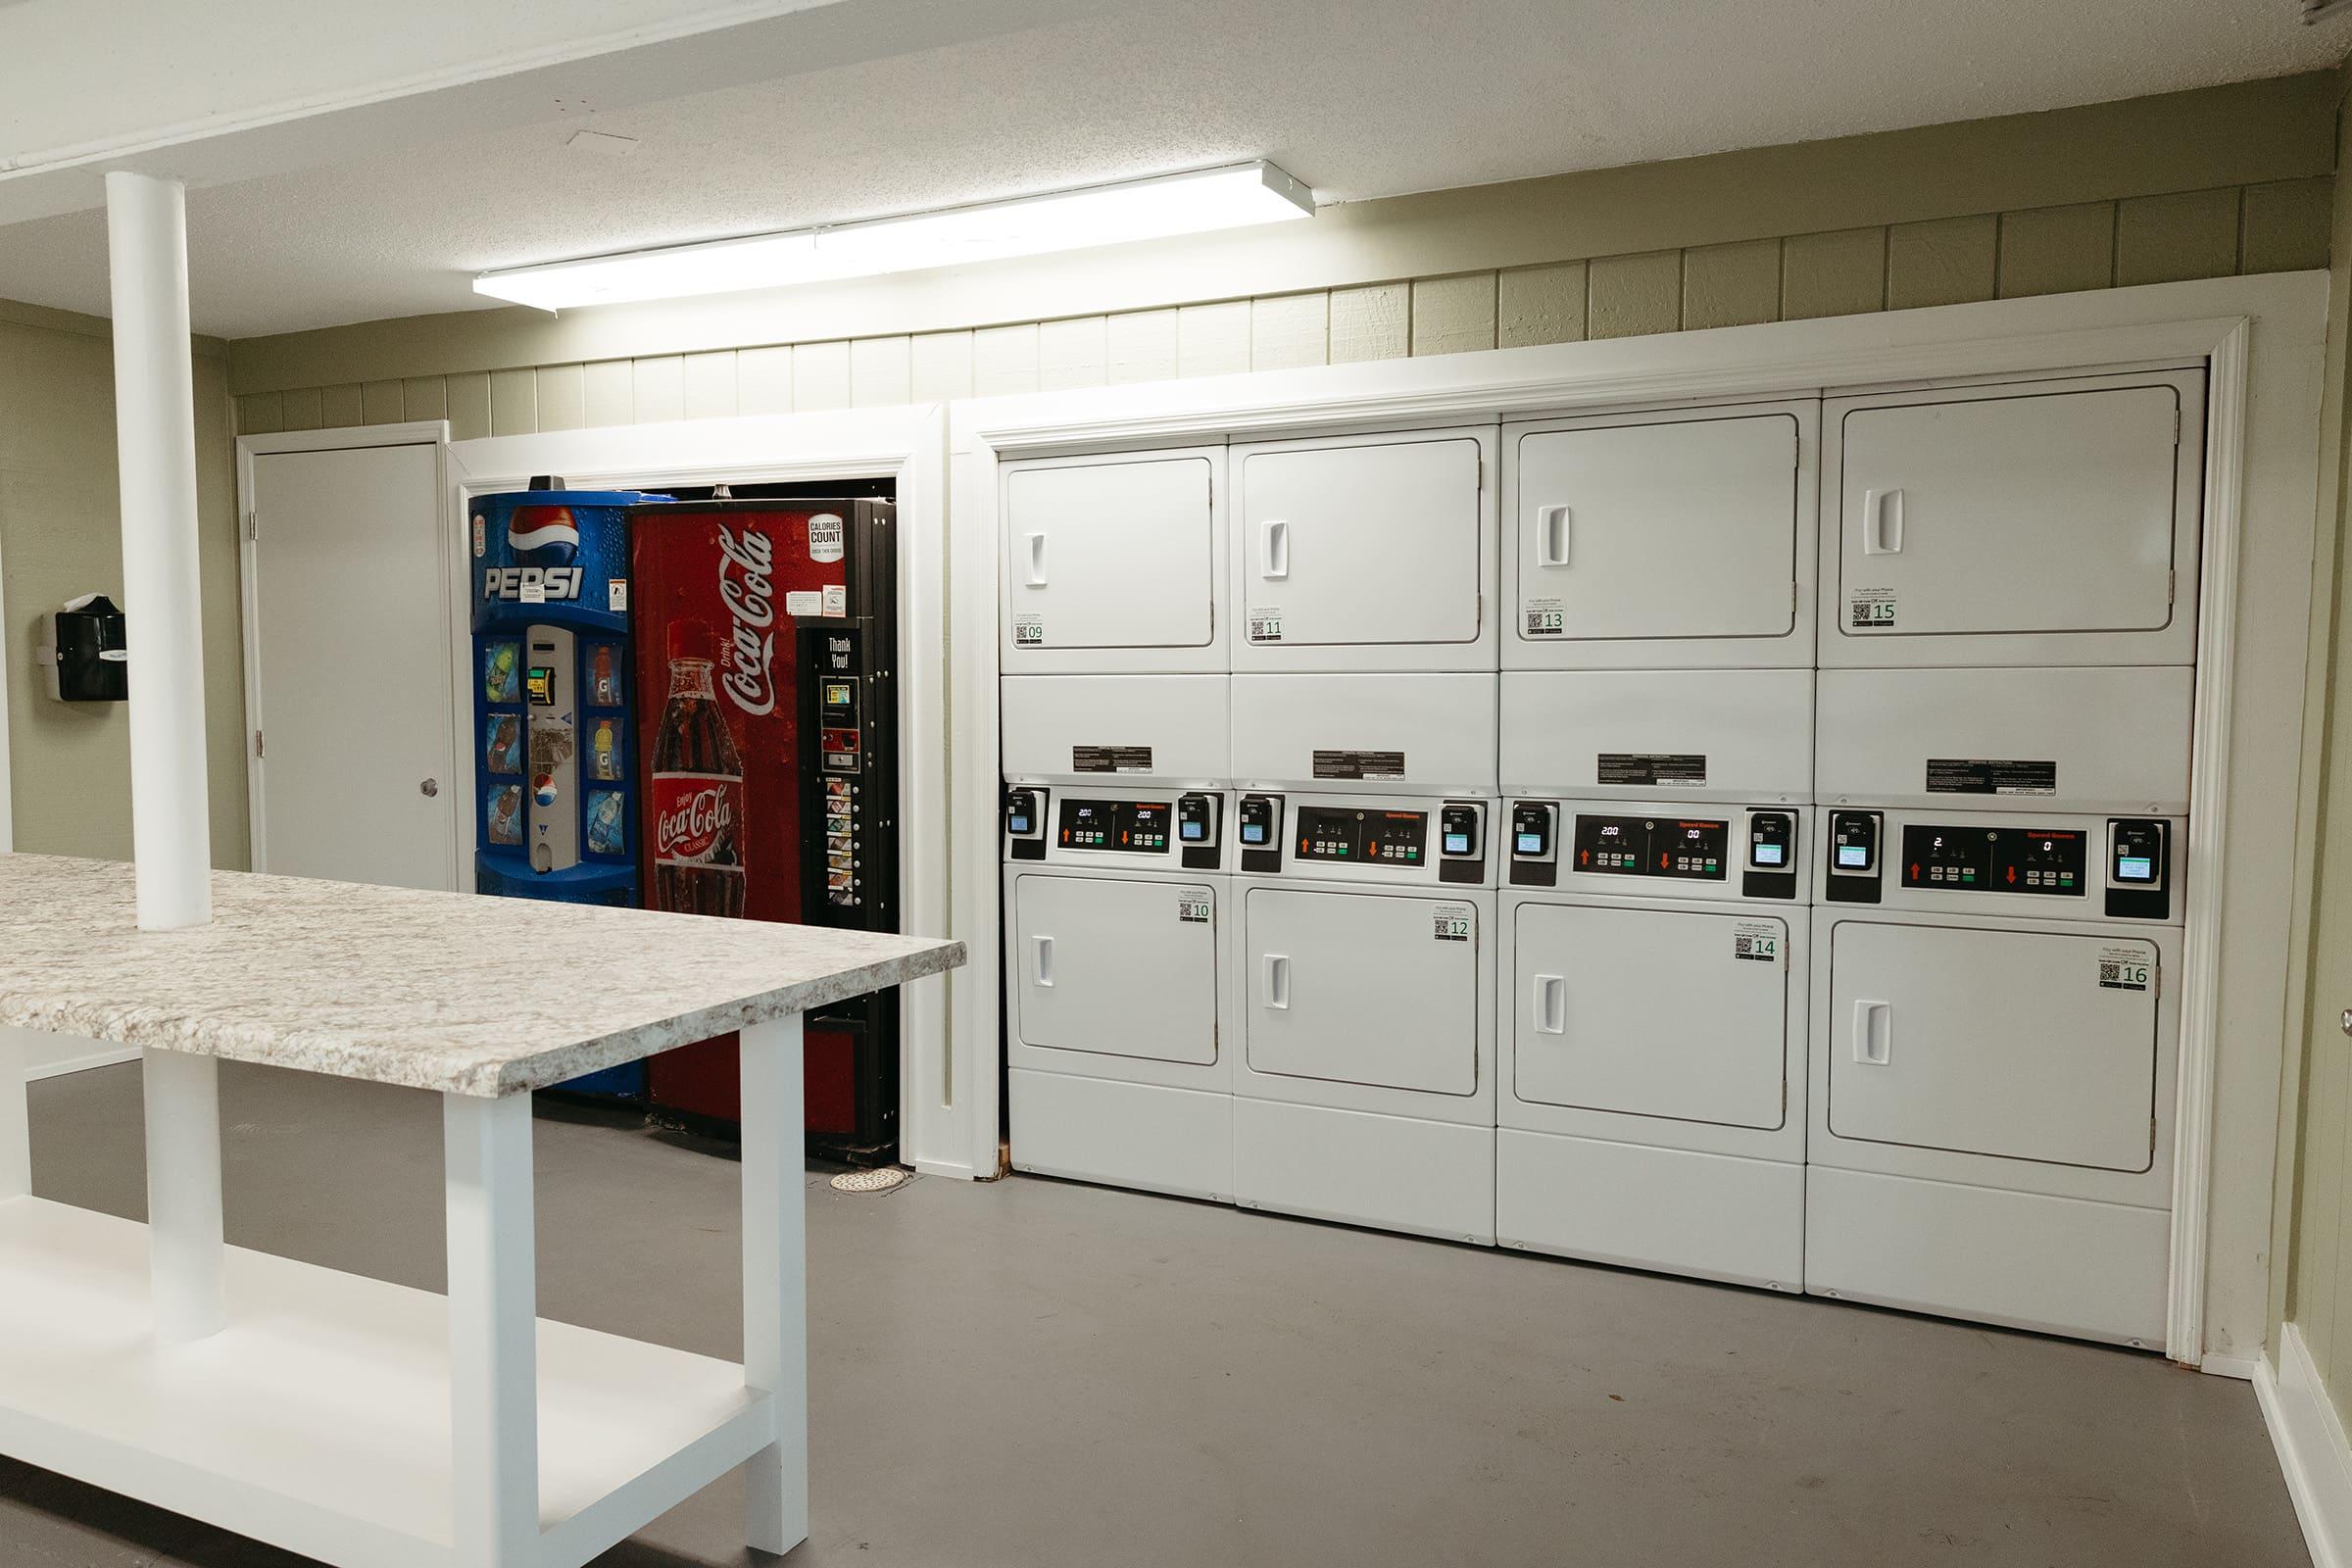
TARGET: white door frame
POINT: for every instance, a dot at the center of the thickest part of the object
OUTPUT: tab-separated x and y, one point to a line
2262	338
417	432
8	806
938	1132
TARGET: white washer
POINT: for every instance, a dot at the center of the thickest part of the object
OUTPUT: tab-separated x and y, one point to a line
1363	961
1116	989
1996	1034
1653	1092
2036	522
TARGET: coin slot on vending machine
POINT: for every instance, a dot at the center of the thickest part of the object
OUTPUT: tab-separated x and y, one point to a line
553	807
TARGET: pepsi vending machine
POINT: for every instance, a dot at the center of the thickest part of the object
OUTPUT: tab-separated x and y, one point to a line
557	802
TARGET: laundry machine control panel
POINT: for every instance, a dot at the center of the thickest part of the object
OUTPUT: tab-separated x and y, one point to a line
1683	847
1378	837
2063	866
1149	832
1673	850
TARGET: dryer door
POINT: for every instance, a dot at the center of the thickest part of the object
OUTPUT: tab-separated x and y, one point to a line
1123	969
1119	553
1652	1012
2024	1045
1377	988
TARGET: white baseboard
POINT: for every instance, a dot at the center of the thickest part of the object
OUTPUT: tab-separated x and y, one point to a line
2245	1368
2312	1449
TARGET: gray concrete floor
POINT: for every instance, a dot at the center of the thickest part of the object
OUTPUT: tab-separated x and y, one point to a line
1032	1374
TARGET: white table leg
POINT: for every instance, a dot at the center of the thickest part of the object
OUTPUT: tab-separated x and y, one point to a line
16	1135
775	1279
493	1330
183	1194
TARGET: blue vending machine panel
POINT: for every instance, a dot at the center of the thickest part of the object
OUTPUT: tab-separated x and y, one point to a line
555	807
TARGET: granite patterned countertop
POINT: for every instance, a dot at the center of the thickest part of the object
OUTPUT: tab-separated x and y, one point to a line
445	991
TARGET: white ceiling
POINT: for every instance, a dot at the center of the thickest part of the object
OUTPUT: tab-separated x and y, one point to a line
1359	98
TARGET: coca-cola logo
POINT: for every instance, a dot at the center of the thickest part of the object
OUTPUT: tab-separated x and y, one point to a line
745	588
691	816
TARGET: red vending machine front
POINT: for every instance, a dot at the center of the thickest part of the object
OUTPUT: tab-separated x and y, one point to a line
730	824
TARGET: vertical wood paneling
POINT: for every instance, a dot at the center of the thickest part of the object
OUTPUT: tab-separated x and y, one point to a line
942	366
2164	239
469	406
709	381
261	413
1838	274
659	389
513	402
1004	360
610	393
2286	226
2057	250
1372	322
339	406
1628	296
1732	285
1949	261
562	397
425	397
1453	315
301	409
1288	331
380	402
1540	304
820	376
1074	352
764	379
881	373
1142	346
1212	339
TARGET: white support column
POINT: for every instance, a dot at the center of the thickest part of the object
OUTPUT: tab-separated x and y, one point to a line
775	1279
493	1331
155	451
16	1135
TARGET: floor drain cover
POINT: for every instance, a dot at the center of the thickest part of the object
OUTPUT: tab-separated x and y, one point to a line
869	1181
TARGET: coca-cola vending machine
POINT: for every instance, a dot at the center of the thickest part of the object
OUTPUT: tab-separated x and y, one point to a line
769	768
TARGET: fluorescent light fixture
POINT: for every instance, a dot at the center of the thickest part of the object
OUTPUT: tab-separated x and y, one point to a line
1195	203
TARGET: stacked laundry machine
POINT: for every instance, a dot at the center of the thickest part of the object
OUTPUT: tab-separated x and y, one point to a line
1743	842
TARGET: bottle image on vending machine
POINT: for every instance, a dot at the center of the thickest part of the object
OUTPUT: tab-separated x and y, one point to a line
759	799
555	807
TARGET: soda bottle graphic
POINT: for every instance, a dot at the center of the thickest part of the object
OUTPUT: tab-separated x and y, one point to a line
697	797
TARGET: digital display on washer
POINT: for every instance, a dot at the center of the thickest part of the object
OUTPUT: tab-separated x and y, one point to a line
1390	838
1132	826
1993	860
2134	868
1644	846
1086	825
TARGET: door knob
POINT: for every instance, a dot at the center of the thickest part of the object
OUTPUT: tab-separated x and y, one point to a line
2346	1020
431	786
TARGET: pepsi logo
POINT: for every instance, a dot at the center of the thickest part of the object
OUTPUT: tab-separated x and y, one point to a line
543	536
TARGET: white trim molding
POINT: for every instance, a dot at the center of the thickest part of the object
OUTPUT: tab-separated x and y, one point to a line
2261	340
940	1123
2313	1452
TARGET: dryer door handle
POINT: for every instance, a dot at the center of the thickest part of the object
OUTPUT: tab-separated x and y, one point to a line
1037	559
1873	1032
1278	981
1551	535
1044	970
1550	1003
1274	551
1883	522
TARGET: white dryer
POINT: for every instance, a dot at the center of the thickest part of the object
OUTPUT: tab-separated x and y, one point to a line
1362	950
1994	1039
1115	985
1651	1097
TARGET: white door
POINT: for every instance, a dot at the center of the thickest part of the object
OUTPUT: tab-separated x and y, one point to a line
1679	529
1361	543
1652	1012
1114	553
2022	1044
2032	511
1378	989
348	672
1118	967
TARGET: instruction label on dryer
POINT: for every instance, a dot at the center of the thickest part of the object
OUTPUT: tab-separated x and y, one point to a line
1192	905
1265	624
1452	922
1545	617
1110	759
1360	765
1756	941
1870	608
1978	775
2126	969
1651	767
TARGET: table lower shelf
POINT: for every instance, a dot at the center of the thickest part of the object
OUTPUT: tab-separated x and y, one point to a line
318	1420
